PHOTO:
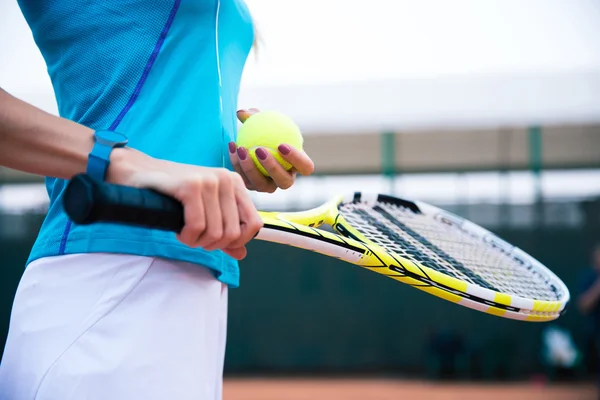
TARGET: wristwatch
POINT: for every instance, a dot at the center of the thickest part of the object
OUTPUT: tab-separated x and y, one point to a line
99	157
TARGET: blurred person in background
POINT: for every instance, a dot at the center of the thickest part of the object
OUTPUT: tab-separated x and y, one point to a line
147	96
588	303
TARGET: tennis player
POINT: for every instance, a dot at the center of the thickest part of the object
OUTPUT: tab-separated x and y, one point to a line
147	94
588	303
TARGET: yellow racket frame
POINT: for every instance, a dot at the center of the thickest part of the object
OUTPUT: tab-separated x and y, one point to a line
300	229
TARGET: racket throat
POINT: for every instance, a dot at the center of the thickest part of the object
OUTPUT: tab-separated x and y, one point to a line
342	230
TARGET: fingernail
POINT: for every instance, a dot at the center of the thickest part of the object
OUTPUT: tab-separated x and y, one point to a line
242	153
284	149
261	154
241	114
232	147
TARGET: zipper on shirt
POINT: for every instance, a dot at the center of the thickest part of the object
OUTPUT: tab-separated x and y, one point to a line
218	11
218	59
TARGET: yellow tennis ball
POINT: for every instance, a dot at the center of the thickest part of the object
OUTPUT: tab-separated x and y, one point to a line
269	129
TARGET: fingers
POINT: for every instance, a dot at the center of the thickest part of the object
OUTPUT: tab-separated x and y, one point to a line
229	213
243	115
298	158
235	162
194	215
239	253
258	181
278	177
202	228
281	177
250	221
218	212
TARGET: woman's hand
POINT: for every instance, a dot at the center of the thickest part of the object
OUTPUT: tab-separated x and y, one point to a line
278	176
218	211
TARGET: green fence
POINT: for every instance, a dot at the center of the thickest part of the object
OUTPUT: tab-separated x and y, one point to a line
299	312
307	312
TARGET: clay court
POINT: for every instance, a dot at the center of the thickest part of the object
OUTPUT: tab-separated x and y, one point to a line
368	389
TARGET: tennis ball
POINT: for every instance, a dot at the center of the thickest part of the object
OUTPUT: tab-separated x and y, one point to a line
269	129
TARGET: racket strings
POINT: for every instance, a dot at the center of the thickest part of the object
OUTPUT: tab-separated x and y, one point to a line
446	248
387	237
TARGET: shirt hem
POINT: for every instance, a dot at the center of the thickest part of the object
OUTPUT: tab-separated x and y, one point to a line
227	274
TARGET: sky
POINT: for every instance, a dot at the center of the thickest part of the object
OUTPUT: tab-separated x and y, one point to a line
316	41
406	58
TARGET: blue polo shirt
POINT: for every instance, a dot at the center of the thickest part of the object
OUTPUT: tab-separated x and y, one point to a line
166	74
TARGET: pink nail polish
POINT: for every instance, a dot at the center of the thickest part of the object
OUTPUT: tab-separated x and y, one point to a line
231	147
261	154
284	149
242	153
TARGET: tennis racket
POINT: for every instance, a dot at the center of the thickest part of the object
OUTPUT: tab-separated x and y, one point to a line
409	241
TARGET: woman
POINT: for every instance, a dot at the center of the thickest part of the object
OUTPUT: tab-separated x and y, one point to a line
147	93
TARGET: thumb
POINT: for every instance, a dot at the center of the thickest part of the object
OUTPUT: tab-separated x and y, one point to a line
238	253
243	115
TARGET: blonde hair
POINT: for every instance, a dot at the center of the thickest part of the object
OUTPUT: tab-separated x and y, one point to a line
257	40
257	36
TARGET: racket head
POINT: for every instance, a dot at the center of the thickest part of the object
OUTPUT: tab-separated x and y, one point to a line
412	242
450	257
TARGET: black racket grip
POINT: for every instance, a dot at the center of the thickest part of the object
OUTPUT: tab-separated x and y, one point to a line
87	201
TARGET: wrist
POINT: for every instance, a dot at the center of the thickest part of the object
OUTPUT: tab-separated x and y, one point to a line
125	164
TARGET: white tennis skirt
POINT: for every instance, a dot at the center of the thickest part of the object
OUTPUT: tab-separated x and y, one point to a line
112	327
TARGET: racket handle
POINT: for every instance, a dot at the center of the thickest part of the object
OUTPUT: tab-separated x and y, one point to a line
87	201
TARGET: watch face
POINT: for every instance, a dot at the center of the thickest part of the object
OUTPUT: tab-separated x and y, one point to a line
110	138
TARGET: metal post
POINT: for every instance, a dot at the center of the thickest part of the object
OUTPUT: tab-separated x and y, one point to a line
388	158
535	166
504	141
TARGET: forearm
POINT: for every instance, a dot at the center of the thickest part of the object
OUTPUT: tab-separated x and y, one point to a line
34	141
589	299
